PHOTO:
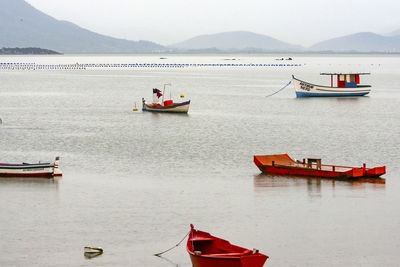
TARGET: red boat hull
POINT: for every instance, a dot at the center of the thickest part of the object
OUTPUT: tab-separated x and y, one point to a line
249	261
206	250
282	164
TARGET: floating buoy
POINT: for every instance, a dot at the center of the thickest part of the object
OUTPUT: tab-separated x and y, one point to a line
93	250
182	95
135	108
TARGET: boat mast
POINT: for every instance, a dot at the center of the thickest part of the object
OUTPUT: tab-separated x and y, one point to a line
163	93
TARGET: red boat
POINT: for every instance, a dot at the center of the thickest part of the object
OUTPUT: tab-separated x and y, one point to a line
206	250
283	164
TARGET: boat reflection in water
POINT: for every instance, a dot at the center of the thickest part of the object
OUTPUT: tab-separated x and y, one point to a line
170	262
315	184
38	183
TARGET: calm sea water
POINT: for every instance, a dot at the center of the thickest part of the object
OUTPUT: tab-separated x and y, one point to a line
133	181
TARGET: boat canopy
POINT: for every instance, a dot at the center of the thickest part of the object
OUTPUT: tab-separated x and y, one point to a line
344	73
345	80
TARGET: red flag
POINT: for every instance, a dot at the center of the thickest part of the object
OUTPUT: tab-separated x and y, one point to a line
158	92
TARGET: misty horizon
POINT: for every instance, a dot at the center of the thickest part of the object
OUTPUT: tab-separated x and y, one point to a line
175	21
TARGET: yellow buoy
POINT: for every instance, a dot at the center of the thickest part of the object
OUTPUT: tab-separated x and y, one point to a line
182	95
135	109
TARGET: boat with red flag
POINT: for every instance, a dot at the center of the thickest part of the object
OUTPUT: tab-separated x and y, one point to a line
165	105
206	250
342	84
284	165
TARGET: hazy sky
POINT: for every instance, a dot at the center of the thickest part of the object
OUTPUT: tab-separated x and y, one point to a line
302	22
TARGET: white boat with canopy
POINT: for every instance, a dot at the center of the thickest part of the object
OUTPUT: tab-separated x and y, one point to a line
345	84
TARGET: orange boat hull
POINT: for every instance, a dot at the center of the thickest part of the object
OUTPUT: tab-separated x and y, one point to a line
282	164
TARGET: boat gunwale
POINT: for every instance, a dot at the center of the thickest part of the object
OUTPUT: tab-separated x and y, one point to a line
26	164
227	256
315	169
27	167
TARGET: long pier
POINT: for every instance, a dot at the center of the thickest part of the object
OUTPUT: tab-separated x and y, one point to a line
94	66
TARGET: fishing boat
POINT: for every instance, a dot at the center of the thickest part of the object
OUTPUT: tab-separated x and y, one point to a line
345	84
284	165
31	169
206	250
166	105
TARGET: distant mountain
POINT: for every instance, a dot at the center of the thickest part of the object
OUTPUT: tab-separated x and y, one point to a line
21	25
27	51
236	41
360	42
394	33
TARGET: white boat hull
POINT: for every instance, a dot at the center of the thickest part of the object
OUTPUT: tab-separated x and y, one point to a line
305	89
174	108
30	170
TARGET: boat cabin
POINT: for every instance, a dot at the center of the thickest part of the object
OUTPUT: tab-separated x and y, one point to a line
345	80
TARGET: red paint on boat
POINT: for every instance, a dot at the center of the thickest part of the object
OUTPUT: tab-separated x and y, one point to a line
168	102
284	165
206	250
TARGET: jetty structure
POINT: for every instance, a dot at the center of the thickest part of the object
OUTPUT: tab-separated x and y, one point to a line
18	66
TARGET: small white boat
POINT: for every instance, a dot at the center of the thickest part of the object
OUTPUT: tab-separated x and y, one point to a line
167	106
347	84
31	169
93	250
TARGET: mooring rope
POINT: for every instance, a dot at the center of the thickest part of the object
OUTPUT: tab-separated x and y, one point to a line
159	254
280	89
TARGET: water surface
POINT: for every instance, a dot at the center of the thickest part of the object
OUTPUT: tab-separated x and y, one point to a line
133	181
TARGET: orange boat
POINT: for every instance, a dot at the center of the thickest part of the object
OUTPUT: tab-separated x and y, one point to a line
284	165
206	250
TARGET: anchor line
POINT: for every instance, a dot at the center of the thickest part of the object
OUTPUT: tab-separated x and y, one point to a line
280	89
159	254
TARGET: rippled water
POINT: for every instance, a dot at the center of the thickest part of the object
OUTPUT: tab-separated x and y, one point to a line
133	181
